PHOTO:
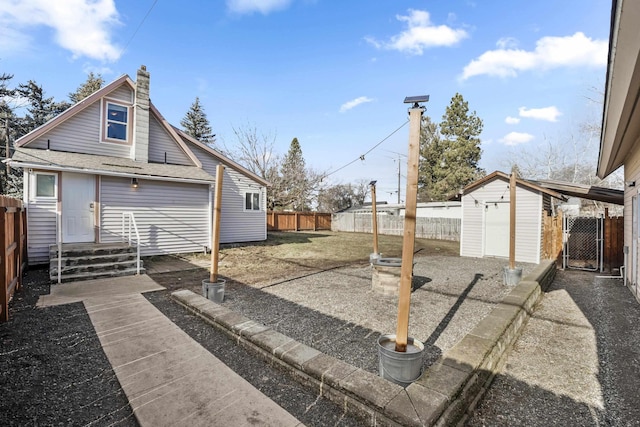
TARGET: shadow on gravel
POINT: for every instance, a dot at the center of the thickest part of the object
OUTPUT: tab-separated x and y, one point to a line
614	318
53	370
516	403
452	311
349	342
614	314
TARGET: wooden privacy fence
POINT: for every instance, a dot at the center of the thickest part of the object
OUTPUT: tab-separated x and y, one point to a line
13	250
552	243
426	228
298	221
613	251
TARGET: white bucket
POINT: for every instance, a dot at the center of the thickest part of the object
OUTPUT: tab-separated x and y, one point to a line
401	368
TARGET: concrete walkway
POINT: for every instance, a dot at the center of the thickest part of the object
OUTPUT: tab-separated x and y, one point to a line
168	378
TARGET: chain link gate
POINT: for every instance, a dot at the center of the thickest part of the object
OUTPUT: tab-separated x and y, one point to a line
583	242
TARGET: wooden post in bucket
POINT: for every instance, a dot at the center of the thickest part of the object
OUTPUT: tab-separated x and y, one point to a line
215	229
512	221
374	217
408	241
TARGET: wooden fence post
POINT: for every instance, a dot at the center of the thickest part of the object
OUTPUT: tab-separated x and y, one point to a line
4	297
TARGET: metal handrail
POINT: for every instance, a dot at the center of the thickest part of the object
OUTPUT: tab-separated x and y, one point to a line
132	224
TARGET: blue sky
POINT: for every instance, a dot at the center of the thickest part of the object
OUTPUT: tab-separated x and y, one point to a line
333	74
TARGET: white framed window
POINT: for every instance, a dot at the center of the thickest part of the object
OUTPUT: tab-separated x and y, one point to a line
45	185
116	122
252	201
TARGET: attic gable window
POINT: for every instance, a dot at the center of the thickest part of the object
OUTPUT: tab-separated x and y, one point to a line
116	122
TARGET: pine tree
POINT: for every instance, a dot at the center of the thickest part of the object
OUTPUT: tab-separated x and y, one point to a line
450	157
196	124
93	83
294	184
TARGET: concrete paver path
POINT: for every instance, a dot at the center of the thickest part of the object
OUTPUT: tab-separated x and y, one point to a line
168	377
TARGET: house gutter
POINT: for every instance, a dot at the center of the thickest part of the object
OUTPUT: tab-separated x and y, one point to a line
16	164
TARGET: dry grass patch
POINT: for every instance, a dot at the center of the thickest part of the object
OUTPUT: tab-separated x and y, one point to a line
287	254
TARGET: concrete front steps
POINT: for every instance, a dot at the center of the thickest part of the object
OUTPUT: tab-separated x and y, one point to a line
84	261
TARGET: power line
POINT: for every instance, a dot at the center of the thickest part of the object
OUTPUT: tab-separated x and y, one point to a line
138	27
362	156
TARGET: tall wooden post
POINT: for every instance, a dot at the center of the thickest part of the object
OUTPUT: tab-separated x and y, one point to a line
374	218
408	241
512	221
215	228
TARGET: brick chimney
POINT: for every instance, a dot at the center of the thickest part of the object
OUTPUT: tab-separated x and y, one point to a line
141	139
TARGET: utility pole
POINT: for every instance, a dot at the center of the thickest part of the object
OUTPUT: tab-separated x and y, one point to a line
398	179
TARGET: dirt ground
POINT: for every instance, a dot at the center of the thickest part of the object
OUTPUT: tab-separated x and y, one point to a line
285	255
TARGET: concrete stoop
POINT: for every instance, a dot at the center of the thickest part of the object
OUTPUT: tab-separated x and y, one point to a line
84	261
441	397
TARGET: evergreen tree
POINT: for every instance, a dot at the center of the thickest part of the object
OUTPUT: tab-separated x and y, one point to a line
450	152
40	109
93	83
196	124
294	184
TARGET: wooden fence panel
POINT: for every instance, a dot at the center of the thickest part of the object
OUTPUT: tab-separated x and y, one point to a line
552	238
613	242
426	228
13	246
297	221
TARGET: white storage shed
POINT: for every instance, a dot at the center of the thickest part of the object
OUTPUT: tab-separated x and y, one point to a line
485	218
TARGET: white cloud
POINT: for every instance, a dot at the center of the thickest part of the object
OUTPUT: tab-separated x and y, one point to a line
80	26
421	34
512	120
549	114
507	43
516	138
354	103
577	50
263	6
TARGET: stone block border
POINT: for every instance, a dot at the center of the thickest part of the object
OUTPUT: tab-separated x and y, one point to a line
441	397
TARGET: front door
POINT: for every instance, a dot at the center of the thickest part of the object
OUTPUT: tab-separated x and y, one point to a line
78	195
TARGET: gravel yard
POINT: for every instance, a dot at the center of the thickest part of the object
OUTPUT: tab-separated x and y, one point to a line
336	312
52	368
577	362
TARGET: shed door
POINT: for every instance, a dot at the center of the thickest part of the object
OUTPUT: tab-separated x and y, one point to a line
496	229
78	194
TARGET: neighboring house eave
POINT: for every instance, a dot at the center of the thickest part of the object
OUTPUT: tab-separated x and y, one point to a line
223	159
73	110
589	192
621	112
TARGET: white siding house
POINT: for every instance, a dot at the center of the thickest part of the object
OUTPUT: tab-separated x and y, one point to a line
113	152
620	138
486	216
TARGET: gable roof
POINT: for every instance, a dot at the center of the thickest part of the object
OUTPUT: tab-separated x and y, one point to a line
503	176
75	109
57	160
220	157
